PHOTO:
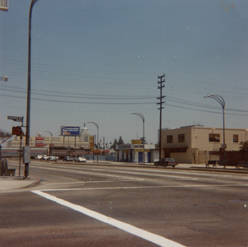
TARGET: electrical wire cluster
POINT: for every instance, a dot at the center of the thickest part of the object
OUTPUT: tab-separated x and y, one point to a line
54	96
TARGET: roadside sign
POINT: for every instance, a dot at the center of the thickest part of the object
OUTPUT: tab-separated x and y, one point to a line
136	141
15	118
92	143
70	131
39	141
26	156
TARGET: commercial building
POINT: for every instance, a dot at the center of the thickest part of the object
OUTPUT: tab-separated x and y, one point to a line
83	140
137	152
198	144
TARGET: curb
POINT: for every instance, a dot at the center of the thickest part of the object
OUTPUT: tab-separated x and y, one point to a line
35	183
142	165
192	168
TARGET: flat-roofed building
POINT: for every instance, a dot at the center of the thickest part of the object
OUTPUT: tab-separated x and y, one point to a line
198	144
46	141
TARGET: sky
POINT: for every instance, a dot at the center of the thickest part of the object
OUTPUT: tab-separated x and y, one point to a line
98	60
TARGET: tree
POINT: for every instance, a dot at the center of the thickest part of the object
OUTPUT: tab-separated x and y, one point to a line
244	146
120	141
114	145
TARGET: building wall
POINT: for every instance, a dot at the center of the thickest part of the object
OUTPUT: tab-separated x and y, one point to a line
194	144
200	138
68	141
175	143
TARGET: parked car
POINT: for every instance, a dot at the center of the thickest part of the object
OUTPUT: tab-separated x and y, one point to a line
45	157
166	162
68	158
81	159
53	158
39	157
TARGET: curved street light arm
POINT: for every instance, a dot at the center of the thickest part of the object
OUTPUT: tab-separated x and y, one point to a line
140	115
222	102
143	120
49	132
97	135
94	123
217	98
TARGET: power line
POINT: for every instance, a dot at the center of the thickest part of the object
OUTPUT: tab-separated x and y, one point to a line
73	94
183	103
78	102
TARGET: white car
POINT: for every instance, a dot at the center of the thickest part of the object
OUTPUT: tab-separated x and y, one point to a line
45	157
39	157
81	159
53	158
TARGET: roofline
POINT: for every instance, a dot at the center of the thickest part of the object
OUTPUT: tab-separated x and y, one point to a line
203	127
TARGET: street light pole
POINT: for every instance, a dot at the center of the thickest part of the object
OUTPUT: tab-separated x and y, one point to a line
97	134
222	102
50	141
51	135
27	143
143	120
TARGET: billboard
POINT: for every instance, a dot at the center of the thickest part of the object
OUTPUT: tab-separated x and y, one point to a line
137	141
70	131
4	5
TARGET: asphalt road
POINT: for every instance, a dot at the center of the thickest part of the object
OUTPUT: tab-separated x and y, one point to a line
94	205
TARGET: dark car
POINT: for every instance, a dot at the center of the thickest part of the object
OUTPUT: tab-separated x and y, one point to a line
166	162
68	158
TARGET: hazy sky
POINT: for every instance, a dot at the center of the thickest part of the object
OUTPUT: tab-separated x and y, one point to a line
91	56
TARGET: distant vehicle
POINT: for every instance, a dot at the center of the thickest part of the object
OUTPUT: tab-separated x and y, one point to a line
166	162
53	158
81	159
68	158
39	157
45	157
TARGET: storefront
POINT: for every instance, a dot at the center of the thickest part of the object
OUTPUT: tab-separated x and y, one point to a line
138	153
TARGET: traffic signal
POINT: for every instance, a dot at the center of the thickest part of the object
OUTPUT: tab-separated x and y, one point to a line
17	130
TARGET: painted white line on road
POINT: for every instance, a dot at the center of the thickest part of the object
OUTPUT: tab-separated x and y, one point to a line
96	174
151	237
150	187
92	182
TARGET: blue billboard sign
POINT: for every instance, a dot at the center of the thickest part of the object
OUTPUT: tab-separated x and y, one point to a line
70	131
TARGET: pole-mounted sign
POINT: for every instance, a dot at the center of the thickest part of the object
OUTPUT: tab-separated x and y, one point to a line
16	118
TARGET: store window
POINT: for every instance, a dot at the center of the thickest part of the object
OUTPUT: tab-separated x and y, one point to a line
181	138
235	138
170	139
214	137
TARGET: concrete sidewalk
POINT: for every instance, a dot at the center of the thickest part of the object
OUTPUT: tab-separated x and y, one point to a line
180	166
9	183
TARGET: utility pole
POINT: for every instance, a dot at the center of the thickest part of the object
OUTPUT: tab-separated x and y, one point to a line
161	85
26	156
